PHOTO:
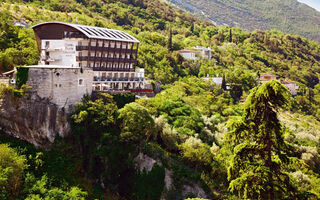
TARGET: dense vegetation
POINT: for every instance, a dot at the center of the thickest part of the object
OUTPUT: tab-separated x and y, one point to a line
184	128
289	16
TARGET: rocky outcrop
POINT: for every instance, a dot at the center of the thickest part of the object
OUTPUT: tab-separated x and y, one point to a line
32	119
144	162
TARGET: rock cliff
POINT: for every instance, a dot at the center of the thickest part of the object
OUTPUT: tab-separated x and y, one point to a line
144	162
32	119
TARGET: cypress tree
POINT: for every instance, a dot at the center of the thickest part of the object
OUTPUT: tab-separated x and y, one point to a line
223	84
230	35
260	154
169	44
192	27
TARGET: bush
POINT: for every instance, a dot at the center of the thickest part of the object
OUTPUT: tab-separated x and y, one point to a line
12	166
22	76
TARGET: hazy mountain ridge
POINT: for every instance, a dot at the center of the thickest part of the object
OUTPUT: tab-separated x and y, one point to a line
289	16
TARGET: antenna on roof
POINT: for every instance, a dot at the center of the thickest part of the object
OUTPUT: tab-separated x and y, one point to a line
76	20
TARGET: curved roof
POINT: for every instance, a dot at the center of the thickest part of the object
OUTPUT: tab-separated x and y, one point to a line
97	32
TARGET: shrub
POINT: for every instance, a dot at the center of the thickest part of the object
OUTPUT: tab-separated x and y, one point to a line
12	166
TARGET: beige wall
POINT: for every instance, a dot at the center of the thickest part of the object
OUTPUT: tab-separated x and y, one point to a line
61	85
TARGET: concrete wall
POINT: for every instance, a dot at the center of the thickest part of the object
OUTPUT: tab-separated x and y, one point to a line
60	85
63	51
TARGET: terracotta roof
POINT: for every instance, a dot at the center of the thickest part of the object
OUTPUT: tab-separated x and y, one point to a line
97	32
268	74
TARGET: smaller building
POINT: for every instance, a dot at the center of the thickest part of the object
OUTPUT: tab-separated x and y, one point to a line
292	86
62	85
199	53
7	78
190	54
21	23
217	80
267	77
205	53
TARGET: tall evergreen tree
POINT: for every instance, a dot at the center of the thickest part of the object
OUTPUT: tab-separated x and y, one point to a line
192	27
169	44
260	154
223	84
230	34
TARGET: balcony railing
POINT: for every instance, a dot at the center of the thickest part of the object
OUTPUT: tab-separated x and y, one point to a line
114	69
106	49
49	59
104	59
116	79
82	48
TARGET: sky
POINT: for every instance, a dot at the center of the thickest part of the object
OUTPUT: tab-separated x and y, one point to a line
312	3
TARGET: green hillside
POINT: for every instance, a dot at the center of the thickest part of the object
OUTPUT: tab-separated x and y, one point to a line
201	133
288	16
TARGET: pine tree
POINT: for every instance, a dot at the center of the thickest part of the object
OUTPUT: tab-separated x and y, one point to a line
192	27
169	44
230	35
223	84
260	154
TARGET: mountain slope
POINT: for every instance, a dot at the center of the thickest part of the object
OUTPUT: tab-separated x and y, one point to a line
190	115
288	16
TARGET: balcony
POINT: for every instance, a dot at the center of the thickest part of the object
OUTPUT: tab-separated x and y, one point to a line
47	48
82	48
82	58
106	49
49	59
104	59
114	69
116	79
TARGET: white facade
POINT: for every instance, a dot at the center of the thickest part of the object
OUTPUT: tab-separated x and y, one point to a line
60	52
199	53
205	53
217	80
188	54
292	86
62	85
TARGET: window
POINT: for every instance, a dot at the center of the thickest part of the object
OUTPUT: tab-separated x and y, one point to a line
47	44
80	82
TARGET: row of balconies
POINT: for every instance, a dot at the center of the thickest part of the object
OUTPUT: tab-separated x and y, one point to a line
122	69
104	59
97	48
140	79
